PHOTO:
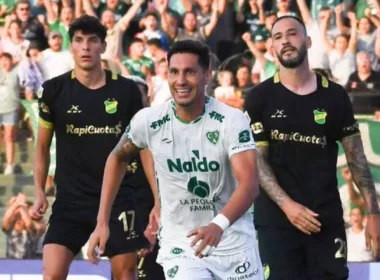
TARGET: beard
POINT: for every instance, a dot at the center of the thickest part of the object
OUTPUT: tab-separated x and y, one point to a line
295	61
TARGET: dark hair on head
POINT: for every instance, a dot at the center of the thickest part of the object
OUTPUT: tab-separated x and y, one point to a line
193	47
154	42
243	65
6	55
161	60
151	13
292	17
19	2
88	25
15	22
345	36
136	40
188	12
324	8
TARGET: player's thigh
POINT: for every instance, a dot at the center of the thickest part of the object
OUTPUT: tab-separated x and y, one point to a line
126	234
327	254
148	268
56	261
282	253
124	266
186	269
244	265
68	230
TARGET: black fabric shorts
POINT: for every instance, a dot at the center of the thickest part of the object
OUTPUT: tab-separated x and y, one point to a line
289	254
148	268
72	229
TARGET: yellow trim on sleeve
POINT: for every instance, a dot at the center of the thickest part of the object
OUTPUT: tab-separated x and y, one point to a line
262	144
45	124
349	136
325	82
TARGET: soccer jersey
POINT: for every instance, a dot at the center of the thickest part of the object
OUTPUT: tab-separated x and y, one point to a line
301	132
194	174
88	124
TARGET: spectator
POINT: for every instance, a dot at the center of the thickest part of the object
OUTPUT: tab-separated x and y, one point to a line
31	28
159	91
12	41
283	7
225	92
342	52
136	62
55	61
151	30
244	81
29	72
9	105
19	228
356	240
156	52
252	13
60	23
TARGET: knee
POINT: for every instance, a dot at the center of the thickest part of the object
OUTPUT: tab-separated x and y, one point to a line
128	273
54	275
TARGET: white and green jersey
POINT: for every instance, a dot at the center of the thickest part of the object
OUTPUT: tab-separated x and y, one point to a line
194	175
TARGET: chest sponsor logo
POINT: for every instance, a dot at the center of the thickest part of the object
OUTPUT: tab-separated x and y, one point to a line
74	110
320	116
195	164
93	130
298	137
213	136
110	106
200	204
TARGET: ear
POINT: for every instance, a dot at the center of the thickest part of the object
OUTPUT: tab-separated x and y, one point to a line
309	42
104	46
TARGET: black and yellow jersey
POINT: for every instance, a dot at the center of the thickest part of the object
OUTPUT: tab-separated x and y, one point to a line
301	132
88	125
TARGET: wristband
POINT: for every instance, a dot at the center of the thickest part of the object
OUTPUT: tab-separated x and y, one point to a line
221	221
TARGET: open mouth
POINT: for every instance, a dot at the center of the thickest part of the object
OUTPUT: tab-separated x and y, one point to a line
183	91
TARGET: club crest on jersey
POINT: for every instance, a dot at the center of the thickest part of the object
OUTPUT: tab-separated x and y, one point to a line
213	136
110	106
320	116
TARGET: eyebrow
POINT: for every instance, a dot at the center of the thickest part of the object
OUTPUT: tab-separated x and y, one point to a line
186	69
290	29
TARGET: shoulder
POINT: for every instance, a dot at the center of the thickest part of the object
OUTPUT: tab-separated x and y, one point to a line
332	89
55	84
222	112
154	113
261	92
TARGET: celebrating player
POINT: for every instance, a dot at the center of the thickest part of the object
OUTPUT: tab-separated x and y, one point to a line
199	147
88	110
296	117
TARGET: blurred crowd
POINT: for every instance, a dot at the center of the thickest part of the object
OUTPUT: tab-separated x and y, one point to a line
34	47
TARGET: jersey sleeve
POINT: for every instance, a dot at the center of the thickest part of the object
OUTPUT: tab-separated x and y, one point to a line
254	110
137	131
238	135
45	96
348	126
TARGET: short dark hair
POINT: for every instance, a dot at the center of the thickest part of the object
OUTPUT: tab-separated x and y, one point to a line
136	40
154	42
6	55
88	25
151	13
292	17
18	3
193	47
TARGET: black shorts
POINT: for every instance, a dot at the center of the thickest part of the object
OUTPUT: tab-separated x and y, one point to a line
72	229
148	268
289	254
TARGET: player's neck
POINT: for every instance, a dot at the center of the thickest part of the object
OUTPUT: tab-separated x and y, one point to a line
96	78
191	112
300	80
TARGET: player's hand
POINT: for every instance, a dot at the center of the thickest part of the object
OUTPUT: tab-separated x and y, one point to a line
208	237
301	217
154	219
40	206
98	238
372	235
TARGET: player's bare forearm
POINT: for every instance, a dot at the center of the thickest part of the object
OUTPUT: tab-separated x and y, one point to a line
42	158
244	168
114	173
148	165
268	180
361	174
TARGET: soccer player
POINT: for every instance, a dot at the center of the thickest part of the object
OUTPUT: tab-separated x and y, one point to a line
88	110
204	157
297	117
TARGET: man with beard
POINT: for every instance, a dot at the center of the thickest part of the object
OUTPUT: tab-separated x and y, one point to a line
296	118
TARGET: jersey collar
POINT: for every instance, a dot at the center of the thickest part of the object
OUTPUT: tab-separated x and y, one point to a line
321	80
207	100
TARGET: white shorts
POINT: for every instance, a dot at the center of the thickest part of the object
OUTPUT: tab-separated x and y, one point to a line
186	266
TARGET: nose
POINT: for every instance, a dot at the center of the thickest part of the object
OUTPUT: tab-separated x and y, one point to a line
181	78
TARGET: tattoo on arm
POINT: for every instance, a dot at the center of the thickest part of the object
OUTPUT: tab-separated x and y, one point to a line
361	174
125	149
268	180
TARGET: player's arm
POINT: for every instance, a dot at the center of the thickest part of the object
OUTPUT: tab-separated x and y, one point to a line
114	173
244	167
361	173
148	165
42	149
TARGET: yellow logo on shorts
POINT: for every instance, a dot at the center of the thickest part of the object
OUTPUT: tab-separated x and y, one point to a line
111	106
